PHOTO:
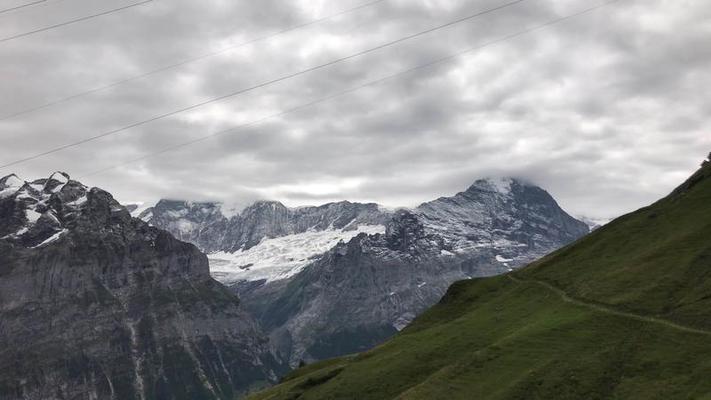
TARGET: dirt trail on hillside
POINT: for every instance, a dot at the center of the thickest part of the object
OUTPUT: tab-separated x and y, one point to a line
609	310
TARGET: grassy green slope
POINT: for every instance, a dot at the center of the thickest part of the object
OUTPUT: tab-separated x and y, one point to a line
655	261
632	321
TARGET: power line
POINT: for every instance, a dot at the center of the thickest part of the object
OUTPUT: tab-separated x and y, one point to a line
22	6
448	58
73	21
187	61
260	85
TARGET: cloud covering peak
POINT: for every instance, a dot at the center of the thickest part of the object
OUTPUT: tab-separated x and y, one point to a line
604	111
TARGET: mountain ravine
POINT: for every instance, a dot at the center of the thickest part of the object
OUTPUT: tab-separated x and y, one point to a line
340	278
95	304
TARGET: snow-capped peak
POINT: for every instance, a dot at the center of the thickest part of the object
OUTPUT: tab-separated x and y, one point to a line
56	182
11	180
500	185
39	208
9	185
61	177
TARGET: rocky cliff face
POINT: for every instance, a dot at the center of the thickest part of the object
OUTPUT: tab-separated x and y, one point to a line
95	304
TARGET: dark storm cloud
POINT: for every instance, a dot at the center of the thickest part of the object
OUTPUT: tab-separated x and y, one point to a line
606	111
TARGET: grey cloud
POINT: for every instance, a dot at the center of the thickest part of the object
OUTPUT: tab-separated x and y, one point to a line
605	111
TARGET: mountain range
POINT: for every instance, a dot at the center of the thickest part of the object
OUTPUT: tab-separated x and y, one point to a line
98	303
343	277
622	313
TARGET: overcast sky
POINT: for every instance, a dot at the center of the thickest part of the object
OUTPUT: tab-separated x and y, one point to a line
607	111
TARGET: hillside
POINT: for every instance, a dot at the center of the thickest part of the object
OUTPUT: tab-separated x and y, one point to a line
622	313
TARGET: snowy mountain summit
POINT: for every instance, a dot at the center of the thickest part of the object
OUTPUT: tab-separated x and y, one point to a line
44	208
500	213
267	240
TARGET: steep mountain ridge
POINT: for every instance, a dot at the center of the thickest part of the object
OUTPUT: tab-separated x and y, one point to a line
503	212
622	313
97	304
205	224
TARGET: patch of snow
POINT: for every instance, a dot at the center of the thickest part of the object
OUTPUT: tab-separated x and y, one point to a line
594	223
501	185
140	207
230	210
446	253
19	233
185	226
11	186
145	218
419	285
32	216
14	181
176	214
280	258
59	177
51	238
502	259
403	321
388	209
53	216
78	202
8	192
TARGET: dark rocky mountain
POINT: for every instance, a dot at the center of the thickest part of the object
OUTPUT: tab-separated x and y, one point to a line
95	304
322	292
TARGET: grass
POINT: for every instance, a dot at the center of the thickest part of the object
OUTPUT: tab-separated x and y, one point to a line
500	338
655	261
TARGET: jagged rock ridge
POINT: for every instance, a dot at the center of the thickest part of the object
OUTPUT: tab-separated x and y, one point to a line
205	224
246	246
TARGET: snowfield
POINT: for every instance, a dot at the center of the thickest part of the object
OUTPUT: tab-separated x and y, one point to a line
279	258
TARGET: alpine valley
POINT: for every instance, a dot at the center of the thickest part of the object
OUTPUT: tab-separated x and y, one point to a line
343	277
